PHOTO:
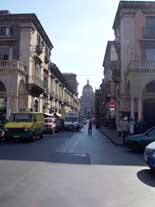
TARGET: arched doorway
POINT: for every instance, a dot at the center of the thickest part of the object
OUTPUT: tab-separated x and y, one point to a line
149	104
22	96
3	101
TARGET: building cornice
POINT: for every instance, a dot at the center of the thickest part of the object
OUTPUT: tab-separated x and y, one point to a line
15	18
134	5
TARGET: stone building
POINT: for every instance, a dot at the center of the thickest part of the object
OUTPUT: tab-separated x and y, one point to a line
110	86
87	101
134	72
65	98
72	80
27	82
24	62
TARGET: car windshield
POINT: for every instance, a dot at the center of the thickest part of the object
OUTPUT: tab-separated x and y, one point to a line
72	119
21	117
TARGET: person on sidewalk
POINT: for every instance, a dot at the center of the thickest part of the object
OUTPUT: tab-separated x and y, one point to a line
119	128
124	126
132	126
90	125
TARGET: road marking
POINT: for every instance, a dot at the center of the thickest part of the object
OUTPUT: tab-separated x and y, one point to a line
69	145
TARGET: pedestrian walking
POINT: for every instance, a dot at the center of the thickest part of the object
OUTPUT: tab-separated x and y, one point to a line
124	126
131	126
90	125
119	128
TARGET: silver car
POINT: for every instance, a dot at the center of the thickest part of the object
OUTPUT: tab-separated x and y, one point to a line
149	155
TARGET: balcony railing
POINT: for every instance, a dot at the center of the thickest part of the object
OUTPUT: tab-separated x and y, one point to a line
141	66
149	32
12	65
35	80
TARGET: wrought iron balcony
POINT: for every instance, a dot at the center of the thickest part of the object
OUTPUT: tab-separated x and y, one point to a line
39	49
35	81
12	65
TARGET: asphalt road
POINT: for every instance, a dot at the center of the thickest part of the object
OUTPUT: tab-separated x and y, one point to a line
73	170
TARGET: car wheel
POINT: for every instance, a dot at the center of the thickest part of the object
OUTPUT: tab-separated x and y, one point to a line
152	170
33	138
41	136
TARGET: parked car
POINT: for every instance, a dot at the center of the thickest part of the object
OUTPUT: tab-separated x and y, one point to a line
84	121
50	125
1	134
149	155
26	126
59	124
2	122
138	142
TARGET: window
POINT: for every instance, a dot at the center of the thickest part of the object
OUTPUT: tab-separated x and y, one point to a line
46	80
150	54
150	21
4	31
38	69
4	53
21	117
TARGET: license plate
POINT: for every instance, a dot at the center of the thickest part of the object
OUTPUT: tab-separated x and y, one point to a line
15	137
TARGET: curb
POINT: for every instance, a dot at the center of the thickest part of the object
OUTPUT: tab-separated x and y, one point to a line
112	141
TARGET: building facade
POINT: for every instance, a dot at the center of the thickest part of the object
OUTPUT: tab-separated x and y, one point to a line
134	71
72	80
26	79
64	98
110	84
87	101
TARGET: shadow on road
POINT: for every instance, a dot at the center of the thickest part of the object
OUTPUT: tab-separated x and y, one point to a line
147	177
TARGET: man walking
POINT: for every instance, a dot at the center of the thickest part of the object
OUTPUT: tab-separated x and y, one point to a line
124	127
90	125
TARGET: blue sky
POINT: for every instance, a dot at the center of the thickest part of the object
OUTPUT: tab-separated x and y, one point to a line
78	29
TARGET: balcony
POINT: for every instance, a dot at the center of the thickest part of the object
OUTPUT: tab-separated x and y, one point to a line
149	32
140	69
12	65
141	66
35	83
39	50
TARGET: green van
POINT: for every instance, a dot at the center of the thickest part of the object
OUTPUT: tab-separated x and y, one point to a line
24	126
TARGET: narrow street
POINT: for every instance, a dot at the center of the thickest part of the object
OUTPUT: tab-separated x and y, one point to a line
73	169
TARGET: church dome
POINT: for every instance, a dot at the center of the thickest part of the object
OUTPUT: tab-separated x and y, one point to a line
87	88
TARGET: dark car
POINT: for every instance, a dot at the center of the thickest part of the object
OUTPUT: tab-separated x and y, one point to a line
59	124
140	141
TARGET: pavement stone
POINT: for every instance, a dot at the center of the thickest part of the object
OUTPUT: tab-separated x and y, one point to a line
112	135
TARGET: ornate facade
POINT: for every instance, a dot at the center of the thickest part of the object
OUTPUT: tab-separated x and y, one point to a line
27	81
87	101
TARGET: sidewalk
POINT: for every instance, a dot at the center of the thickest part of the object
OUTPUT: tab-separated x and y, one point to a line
112	135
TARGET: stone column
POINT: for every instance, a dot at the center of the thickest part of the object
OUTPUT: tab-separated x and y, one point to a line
140	108
8	108
132	108
15	104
